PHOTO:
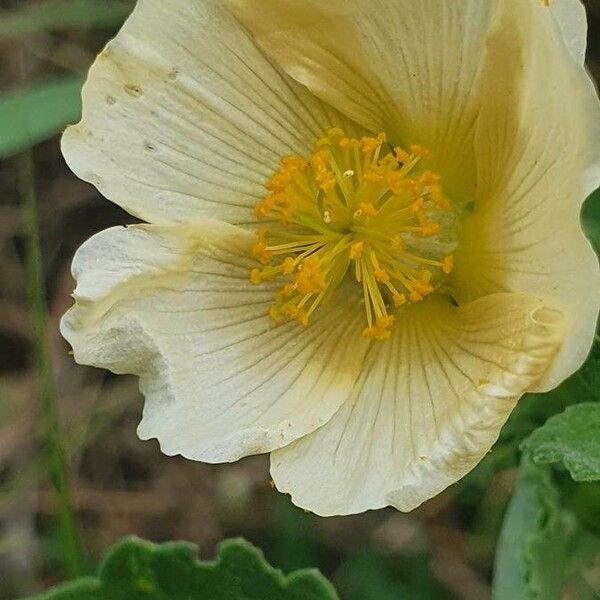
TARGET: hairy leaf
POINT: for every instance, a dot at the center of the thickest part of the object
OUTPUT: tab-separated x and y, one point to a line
138	570
571	438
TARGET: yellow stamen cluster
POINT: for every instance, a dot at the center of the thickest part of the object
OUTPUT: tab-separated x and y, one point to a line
350	209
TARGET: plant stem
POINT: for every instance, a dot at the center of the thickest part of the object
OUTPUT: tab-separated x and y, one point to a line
57	457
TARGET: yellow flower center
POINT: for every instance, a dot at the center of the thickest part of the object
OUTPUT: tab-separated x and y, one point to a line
353	210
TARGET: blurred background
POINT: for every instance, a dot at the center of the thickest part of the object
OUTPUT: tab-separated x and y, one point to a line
121	485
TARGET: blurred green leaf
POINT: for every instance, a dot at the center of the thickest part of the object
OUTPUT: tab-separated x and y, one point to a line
35	114
57	14
532	549
590	373
293	539
138	570
583	500
571	438
369	575
590	218
583	566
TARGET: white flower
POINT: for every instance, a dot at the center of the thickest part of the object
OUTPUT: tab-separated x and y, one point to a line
467	273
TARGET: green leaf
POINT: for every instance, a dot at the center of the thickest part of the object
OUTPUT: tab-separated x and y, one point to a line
58	14
590	373
590	218
138	570
571	438
37	113
582	568
532	548
368	575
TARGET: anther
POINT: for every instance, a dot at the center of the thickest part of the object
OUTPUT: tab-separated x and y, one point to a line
320	221
356	250
448	264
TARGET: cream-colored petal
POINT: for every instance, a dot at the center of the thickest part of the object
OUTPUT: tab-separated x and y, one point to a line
173	305
405	67
538	152
429	405
572	22
184	118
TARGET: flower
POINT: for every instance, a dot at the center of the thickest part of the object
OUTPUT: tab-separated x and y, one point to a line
362	242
